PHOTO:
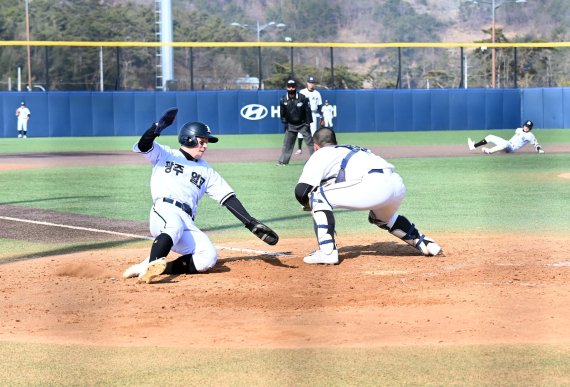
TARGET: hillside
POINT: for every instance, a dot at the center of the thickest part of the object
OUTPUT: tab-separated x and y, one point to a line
461	21
373	21
377	21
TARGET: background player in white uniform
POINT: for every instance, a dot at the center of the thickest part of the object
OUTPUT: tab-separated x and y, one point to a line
327	111
521	137
316	103
23	114
347	176
180	177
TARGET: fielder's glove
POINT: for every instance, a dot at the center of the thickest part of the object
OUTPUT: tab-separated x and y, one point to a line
262	232
168	117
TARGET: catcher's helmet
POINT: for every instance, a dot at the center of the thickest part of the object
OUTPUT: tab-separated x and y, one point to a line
528	123
191	130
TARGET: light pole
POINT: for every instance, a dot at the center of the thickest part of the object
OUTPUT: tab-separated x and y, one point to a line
289	39
494	6
28	39
258	28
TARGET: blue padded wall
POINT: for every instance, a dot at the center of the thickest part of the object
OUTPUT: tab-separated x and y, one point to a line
80	114
126	113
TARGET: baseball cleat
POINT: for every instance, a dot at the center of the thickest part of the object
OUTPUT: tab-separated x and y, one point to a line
153	269
487	151
470	144
427	246
136	269
319	256
299	151
432	249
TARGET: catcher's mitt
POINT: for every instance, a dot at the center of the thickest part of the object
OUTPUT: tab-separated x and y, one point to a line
168	117
262	232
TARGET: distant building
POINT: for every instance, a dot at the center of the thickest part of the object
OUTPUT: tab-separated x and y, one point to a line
247	83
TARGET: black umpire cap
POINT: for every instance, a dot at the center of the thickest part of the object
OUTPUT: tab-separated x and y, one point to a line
292	82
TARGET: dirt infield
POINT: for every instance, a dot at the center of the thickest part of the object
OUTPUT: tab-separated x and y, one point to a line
11	161
486	289
382	293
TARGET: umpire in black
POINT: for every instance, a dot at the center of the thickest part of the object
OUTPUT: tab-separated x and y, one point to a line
296	115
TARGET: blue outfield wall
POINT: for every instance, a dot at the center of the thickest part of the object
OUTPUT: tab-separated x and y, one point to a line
58	114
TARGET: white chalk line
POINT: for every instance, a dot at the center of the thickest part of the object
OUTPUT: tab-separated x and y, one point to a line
252	251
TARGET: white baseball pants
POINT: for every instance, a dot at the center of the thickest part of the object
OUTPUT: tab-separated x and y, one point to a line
187	238
381	193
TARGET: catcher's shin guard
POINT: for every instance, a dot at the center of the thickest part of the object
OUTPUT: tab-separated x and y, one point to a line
324	229
408	232
374	220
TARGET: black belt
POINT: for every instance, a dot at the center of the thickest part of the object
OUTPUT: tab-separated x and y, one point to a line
376	171
183	206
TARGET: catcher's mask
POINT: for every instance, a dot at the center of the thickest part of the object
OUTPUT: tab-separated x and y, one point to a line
191	130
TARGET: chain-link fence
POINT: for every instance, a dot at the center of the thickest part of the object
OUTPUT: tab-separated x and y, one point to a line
106	66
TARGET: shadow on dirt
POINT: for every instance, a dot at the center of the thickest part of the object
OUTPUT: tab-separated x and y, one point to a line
68	250
378	249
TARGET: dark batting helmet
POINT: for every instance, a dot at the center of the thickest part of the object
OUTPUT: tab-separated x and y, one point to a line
528	123
191	130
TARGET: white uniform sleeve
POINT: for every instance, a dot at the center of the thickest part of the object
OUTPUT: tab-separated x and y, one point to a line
314	170
217	188
153	154
533	140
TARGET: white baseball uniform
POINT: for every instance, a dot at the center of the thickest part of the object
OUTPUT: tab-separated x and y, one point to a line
370	182
315	101
328	111
520	139
23	114
177	185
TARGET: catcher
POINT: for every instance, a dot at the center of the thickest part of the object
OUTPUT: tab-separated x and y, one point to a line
352	177
179	180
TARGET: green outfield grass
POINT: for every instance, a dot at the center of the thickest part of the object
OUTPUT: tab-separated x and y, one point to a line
477	365
466	194
124	143
461	193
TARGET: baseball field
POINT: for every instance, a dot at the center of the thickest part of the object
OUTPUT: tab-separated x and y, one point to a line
493	310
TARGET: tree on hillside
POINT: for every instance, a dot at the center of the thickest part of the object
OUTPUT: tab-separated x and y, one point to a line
307	20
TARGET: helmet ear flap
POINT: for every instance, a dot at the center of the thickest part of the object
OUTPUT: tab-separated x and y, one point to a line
189	140
192	141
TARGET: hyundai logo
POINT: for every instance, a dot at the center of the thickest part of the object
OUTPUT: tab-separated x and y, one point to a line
253	112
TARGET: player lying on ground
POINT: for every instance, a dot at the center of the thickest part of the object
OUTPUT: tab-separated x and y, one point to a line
522	137
179	180
348	176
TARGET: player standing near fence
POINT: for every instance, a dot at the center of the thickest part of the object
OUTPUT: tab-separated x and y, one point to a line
23	114
315	103
328	112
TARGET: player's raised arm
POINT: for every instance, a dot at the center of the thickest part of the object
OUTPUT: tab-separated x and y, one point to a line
146	140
